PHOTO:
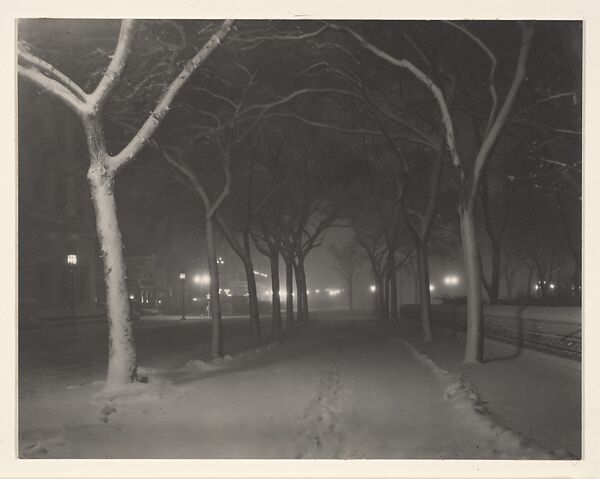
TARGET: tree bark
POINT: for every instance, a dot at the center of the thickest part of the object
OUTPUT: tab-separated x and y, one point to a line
424	291
299	298
393	289
252	300
276	306
474	335
289	299
215	299
302	290
252	293
350	293
379	285
121	348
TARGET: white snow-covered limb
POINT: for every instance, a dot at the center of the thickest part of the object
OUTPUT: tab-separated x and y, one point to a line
116	66
51	85
161	109
51	72
494	62
498	124
423	78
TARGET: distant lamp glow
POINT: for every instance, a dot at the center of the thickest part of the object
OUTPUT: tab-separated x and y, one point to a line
72	259
552	286
431	287
220	260
131	296
451	280
182	278
317	291
373	288
194	299
201	279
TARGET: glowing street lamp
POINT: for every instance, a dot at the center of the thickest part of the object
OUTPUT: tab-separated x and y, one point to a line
373	288
431	287
182	279
451	280
72	263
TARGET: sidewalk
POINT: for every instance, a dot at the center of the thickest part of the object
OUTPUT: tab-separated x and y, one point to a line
535	394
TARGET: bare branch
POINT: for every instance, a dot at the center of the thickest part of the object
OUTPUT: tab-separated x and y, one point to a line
422	77
494	60
52	73
492	136
151	124
53	86
115	68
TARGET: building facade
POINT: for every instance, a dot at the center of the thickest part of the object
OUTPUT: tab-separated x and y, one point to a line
148	282
55	213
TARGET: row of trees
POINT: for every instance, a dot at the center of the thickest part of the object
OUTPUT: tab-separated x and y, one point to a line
278	130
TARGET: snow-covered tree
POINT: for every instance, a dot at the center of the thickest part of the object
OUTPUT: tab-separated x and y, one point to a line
104	166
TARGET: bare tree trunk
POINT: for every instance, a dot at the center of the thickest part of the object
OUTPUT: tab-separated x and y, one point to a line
252	301
350	282
252	293
386	295
392	289
474	336
276	307
215	299
121	348
289	299
302	290
299	298
424	291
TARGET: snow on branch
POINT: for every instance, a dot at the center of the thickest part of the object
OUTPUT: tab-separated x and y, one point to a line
51	72
157	115
490	139
494	61
422	77
53	86
115	68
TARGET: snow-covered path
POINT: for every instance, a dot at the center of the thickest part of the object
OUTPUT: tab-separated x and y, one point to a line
340	389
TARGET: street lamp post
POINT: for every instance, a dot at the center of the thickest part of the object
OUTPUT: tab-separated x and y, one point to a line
182	279
373	290
72	263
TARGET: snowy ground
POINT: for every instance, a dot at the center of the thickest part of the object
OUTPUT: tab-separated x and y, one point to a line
347	387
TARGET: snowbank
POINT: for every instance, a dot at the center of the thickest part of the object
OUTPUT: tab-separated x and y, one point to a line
502	442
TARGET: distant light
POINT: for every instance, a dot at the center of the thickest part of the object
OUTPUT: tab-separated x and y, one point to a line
182	276
431	287
263	275
131	296
194	299
159	301
317	291
536	287
552	286
373	288
451	280
72	259
220	260
307	292
202	278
